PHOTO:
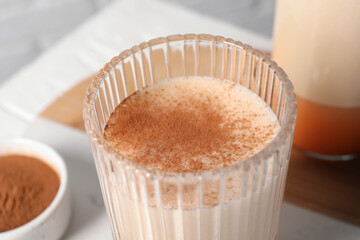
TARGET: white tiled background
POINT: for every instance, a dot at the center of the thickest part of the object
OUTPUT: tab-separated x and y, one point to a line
28	27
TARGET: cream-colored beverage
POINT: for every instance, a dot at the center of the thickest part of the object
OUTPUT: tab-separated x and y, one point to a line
191	136
317	44
192	124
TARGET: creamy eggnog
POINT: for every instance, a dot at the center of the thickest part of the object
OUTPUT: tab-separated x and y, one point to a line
193	124
316	42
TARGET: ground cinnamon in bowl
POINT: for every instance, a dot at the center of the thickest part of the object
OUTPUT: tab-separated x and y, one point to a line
27	187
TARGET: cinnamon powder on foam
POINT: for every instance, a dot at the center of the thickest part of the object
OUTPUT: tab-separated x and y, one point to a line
191	124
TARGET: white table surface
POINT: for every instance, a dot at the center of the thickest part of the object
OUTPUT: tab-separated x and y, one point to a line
118	27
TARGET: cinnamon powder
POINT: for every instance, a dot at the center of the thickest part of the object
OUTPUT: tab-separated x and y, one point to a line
27	187
182	126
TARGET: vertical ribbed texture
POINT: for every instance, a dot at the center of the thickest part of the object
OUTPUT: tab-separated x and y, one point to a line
240	202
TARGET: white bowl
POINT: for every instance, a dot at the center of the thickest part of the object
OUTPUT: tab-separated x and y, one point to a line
53	221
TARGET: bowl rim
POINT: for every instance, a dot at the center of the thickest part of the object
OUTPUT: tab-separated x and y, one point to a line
60	168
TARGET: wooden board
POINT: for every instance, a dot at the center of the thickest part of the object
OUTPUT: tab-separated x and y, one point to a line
68	108
330	188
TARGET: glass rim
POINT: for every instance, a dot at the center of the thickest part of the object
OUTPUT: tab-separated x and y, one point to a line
264	154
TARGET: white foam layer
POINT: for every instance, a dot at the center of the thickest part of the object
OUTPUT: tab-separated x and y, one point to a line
232	118
320	50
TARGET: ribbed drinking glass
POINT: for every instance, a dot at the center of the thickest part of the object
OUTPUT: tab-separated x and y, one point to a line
241	201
